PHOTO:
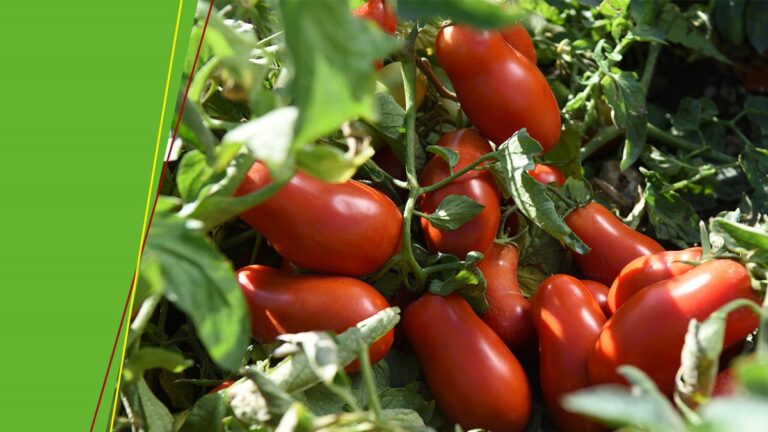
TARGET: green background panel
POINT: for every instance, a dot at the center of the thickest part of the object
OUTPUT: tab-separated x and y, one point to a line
82	92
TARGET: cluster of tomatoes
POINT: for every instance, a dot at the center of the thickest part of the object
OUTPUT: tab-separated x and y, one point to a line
633	307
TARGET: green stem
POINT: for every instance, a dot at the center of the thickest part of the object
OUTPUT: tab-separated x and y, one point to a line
389	265
650	65
443	267
142	318
701	175
457	174
365	369
683	144
599	140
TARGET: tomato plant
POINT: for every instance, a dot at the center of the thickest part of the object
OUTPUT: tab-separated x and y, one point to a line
476	380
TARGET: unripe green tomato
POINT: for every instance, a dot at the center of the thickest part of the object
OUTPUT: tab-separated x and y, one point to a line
390	80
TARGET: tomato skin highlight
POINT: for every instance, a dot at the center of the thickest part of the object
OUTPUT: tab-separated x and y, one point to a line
475	378
648	331
347	228
500	90
547	174
518	38
647	270
380	12
509	312
600	293
222	386
282	303
613	244
568	320
478	233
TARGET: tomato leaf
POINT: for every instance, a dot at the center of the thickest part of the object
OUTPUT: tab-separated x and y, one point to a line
479	13
515	159
729	20
738	413
320	350
258	399
333	54
565	155
626	96
144	408
206	415
752	374
756	17
754	162
672	217
453	212
153	357
448	155
756	108
541	256
200	281
643	406
390	116
329	163
198	175
613	8
700	360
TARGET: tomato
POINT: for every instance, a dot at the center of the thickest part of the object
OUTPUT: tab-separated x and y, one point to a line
390	78
568	321
547	174
478	233
281	303
600	293
518	38
646	270
613	244
725	383
648	331
347	228
498	88
380	12
508	314
477	382
222	386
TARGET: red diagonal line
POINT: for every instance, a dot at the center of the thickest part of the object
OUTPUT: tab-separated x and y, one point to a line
151	216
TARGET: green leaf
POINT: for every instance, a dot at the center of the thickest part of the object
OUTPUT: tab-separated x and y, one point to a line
626	96
200	281
320	350
700	359
754	163
692	113
613	8
153	357
206	415
541	256
448	155
689	30
756	17
333	54
643	407
565	155
672	217
453	212
146	412
402	417
407	398
478	13
515	159
328	163
752	374
269	138
756	108
729	18
739	237
390	116
742	414
198	175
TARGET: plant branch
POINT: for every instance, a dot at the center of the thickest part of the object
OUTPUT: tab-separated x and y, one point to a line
650	65
599	140
426	68
683	144
142	319
459	173
365	369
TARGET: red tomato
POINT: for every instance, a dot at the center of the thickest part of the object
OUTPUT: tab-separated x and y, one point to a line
477	382
600	293
613	244
547	174
648	331
380	12
568	321
479	233
508	314
646	270
222	386
347	228
518	38
725	384
282	303
498	88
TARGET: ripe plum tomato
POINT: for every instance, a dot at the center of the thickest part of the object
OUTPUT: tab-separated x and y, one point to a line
646	270
518	38
476	380
613	245
547	174
347	228
499	89
508	314
478	233
380	12
281	303
568	321
648	330
600	293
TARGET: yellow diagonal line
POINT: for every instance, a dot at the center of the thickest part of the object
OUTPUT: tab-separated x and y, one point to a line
150	195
